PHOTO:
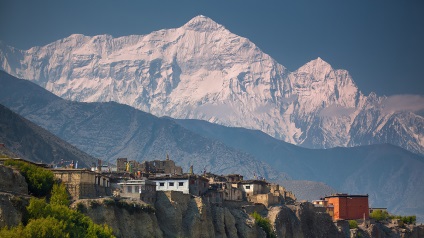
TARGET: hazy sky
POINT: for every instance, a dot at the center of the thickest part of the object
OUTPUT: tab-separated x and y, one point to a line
381	43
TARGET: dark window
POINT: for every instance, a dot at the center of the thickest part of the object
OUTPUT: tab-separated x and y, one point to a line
161	184
247	187
136	189
171	184
129	189
181	184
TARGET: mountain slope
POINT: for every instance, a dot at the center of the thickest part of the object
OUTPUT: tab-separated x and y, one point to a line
29	141
391	175
203	71
111	130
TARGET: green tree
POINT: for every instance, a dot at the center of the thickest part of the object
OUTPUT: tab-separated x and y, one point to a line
59	195
265	224
61	219
46	227
353	224
379	215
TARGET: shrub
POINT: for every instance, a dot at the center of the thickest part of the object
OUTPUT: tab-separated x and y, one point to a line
353	224
81	207
55	220
379	215
40	180
265	224
406	219
59	195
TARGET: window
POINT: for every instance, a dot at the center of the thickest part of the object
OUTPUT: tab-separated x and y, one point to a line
136	189
129	189
181	184
171	184
248	187
161	184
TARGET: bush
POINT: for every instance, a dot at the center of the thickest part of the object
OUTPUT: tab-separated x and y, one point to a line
379	215
56	220
81	207
353	224
40	181
406	219
59	195
265	224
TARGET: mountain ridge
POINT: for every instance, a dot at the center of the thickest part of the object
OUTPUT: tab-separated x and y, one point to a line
25	139
203	71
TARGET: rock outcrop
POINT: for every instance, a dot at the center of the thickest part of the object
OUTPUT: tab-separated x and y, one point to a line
182	215
12	181
175	215
301	220
380	230
13	197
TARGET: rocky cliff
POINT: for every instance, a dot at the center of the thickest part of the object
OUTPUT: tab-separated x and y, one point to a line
13	197
179	215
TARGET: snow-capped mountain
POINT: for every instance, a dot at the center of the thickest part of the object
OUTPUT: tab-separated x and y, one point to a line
203	71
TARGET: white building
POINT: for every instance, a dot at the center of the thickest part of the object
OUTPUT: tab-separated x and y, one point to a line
187	184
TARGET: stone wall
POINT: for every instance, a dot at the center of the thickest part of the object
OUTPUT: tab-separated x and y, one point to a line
268	199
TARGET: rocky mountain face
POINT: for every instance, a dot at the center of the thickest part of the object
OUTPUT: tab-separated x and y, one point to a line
203	71
29	141
390	175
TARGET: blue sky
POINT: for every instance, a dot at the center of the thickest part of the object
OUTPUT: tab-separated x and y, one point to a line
381	43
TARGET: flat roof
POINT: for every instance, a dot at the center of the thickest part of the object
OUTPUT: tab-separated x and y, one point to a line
178	177
345	195
253	181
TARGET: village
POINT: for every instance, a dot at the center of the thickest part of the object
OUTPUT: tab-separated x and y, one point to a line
129	179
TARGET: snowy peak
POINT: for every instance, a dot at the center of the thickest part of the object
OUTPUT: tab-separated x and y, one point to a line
202	23
317	67
203	71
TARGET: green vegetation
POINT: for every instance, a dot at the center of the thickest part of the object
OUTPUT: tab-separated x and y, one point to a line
54	219
59	195
380	215
353	224
40	181
406	219
265	224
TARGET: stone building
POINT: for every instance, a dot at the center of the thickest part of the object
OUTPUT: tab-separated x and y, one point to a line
83	183
349	207
233	178
121	164
144	190
149	167
253	187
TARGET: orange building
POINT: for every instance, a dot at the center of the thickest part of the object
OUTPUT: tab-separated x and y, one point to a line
349	207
